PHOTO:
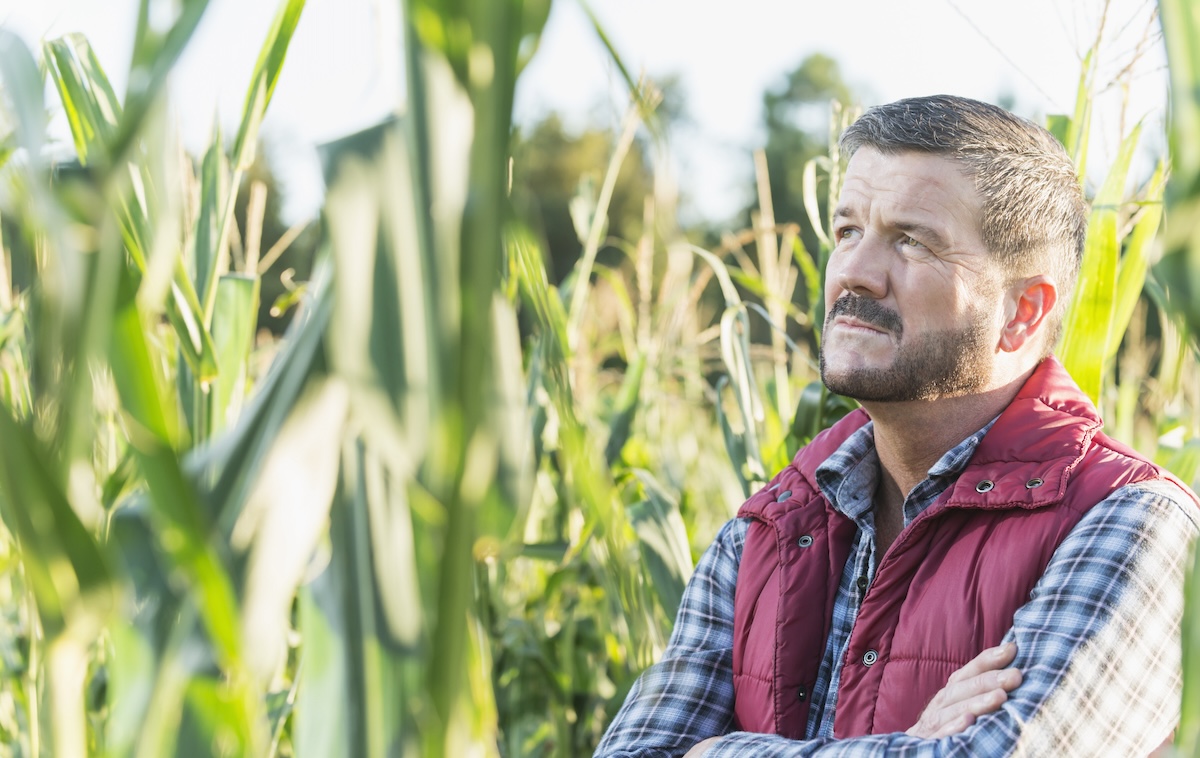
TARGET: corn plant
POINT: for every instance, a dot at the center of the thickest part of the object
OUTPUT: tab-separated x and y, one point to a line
161	564
1179	271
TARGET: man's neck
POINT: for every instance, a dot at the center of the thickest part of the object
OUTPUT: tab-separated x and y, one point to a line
912	436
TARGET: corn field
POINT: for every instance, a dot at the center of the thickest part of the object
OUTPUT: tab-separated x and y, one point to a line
452	510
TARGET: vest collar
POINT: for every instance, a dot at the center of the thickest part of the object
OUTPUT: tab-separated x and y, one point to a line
1025	459
1028	456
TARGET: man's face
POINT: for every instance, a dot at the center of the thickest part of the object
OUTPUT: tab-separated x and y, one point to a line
912	295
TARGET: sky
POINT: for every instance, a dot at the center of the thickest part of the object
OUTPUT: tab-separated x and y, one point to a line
343	71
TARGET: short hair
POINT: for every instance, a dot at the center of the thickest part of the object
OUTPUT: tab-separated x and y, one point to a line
1033	209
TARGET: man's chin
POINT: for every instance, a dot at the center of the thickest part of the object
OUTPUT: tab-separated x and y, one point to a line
867	385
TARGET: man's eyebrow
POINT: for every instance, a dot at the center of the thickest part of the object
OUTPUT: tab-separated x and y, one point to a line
843	211
922	232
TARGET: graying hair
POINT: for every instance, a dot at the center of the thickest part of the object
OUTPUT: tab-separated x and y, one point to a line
1034	214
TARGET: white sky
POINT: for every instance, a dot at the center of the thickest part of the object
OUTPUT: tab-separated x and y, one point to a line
343	69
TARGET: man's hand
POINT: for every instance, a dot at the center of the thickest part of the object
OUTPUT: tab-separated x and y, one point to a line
700	748
977	688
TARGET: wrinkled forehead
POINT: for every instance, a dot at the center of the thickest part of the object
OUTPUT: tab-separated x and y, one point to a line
926	185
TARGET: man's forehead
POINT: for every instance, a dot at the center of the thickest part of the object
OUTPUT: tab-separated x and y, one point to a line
913	181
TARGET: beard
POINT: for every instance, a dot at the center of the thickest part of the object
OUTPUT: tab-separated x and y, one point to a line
946	362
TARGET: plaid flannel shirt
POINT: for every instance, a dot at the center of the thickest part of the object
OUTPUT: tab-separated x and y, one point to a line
1097	644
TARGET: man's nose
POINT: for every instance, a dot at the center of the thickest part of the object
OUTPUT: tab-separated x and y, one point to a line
863	269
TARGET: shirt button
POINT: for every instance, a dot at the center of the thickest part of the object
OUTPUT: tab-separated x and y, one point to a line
862	583
870	657
805	541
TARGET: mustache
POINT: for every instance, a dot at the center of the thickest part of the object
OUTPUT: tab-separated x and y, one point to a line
868	311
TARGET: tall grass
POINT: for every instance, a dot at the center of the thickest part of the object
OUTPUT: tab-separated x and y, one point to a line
424	529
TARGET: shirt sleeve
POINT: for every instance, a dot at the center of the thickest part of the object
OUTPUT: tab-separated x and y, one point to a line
1098	645
688	695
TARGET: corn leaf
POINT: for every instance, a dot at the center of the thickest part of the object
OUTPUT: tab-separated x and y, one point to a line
233	336
67	572
155	438
1179	268
663	542
155	51
625	410
1131	274
1088	326
258	97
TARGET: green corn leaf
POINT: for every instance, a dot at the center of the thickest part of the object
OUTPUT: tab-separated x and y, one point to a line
1131	274
529	264
735	351
214	177
351	666
625	410
324	713
812	283
1088	325
155	52
506	510
1184	462
1179	268
663	540
208	706
233	328
94	117
809	418
66	570
263	80
155	436
285	518
24	91
234	460
735	444
91	115
130	684
1060	126
258	97
809	194
1080	126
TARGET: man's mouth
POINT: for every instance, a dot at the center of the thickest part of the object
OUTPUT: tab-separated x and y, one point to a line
864	314
858	325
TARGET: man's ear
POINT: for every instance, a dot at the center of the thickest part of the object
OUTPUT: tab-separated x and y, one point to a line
1029	303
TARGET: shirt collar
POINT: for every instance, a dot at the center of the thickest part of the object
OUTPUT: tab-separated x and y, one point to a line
848	477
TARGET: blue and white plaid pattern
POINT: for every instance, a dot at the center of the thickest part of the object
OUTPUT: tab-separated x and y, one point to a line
1098	643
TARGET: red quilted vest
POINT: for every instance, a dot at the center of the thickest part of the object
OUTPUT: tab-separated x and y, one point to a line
945	590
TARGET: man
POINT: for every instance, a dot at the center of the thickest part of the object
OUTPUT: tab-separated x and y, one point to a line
872	597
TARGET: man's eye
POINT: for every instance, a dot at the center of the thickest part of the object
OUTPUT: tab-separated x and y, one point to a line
845	234
912	242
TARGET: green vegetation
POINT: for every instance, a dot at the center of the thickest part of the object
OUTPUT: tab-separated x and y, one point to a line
452	510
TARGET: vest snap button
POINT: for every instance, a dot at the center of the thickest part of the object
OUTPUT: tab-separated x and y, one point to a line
870	657
1033	483
805	541
984	486
802	694
783	496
